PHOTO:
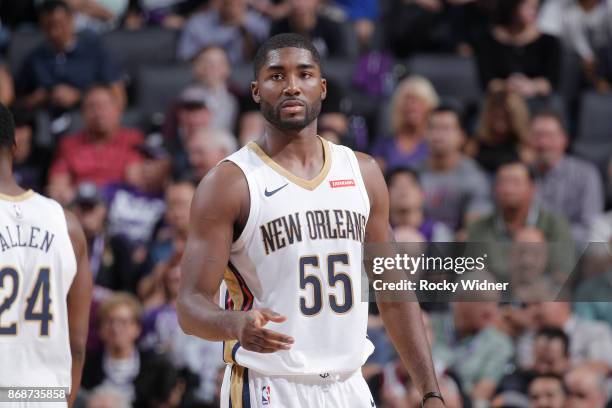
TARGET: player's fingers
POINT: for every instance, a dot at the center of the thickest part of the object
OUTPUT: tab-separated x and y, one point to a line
276	336
268	343
259	347
272	316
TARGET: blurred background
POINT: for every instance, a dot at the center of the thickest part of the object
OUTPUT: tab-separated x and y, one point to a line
491	119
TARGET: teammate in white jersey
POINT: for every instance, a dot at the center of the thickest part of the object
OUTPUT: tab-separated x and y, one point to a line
282	222
45	291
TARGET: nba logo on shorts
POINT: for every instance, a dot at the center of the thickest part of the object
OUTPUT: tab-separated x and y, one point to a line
265	395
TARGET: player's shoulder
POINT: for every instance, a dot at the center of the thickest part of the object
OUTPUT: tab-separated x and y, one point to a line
224	185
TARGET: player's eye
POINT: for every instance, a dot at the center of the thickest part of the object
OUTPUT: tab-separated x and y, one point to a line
306	75
277	77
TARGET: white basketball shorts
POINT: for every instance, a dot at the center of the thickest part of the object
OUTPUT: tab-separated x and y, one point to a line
245	388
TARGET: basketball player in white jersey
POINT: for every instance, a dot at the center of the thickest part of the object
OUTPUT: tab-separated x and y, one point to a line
45	289
282	222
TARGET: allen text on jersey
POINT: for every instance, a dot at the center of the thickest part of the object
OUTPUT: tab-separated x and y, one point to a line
22	236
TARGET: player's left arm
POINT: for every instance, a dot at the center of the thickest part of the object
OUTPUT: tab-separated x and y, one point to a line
79	301
402	320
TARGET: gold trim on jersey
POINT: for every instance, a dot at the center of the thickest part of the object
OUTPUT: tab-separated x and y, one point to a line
237	384
307	184
233	287
17	198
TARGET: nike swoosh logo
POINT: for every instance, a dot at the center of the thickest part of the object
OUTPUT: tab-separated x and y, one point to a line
270	193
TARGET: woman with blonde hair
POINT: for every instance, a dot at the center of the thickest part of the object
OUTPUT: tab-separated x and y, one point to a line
413	100
502	131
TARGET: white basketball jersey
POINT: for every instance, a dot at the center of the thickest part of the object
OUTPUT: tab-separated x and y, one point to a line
300	255
37	266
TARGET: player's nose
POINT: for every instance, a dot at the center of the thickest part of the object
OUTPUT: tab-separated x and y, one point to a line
292	87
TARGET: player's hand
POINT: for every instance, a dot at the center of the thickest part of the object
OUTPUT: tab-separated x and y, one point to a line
254	336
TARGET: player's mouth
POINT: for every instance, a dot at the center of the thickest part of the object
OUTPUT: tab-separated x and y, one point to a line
292	106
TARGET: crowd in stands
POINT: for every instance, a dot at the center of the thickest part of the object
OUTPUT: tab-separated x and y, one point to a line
491	120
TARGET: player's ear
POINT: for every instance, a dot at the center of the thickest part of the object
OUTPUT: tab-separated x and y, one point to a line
323	88
255	91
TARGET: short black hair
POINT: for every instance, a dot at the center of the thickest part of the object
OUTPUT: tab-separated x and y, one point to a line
409	171
550	113
450	107
50	6
531	174
285	40
7	128
552	333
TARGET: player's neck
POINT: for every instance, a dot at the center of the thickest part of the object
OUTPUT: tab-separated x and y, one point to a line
302	144
8	186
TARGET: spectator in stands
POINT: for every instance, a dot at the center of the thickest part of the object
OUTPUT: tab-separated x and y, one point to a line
515	54
517	208
120	365
547	391
413	26
97	15
233	27
212	70
172	236
135	210
57	72
169	13
514	192
406	206
532	270
480	350
550	357
412	101
107	397
585	388
584	26
271	9
30	161
590	342
592	296
109	258
104	152
565	184
186	118
456	190
207	148
326	34
364	15
7	90
501	134
159	323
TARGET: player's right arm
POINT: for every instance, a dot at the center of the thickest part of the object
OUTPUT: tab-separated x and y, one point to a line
220	203
79	300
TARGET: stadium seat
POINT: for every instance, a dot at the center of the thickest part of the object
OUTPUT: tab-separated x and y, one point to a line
21	44
451	75
134	48
339	70
157	86
594	130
